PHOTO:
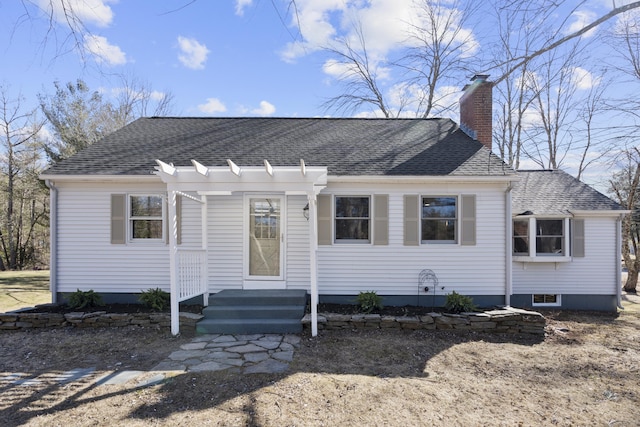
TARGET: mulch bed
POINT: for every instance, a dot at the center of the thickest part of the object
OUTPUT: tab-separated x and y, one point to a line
407	310
109	308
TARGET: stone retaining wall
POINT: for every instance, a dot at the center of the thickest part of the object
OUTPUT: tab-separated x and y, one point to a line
97	319
509	320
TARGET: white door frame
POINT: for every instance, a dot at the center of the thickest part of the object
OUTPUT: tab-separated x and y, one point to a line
264	282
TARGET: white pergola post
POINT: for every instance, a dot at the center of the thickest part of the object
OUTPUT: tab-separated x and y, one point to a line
173	263
313	260
205	244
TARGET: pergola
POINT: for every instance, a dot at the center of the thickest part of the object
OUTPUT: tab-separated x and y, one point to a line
188	273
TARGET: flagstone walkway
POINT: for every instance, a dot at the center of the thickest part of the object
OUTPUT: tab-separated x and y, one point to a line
244	354
248	354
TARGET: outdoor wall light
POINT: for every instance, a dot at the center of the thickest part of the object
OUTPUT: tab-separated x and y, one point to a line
305	211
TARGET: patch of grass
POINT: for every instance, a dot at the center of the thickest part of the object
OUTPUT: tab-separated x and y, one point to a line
19	289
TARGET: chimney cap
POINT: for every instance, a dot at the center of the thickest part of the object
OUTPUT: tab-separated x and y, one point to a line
480	77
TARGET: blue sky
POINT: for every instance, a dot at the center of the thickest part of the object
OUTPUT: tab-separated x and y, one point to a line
222	57
241	57
215	58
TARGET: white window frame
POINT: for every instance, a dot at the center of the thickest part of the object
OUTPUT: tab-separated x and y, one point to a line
368	241
131	218
533	255
457	219
557	303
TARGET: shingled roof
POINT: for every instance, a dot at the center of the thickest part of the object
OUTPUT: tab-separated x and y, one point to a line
554	192
349	146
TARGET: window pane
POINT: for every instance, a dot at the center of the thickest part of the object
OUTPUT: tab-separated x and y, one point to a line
352	207
438	219
352	218
549	245
438	207
265	218
147	229
549	227
549	236
443	230
146	206
352	229
521	236
545	299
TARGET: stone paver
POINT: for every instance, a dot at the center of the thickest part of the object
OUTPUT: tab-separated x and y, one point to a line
252	353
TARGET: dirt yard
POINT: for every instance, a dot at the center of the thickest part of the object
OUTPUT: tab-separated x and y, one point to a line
586	371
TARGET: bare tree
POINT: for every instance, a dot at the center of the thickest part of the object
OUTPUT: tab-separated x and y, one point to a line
439	48
555	101
358	73
443	46
553	42
19	129
591	143
625	186
518	30
135	99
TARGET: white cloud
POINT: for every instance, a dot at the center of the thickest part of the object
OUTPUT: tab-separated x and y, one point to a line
194	54
339	70
212	106
103	51
383	23
265	109
241	5
582	18
96	12
583	79
157	95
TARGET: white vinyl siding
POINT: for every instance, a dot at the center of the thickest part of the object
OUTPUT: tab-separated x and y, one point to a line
592	274
88	260
297	245
86	257
225	240
394	269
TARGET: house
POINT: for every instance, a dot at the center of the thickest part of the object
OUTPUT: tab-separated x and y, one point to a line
332	207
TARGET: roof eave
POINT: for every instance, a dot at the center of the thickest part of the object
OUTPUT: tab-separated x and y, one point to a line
100	178
415	179
600	213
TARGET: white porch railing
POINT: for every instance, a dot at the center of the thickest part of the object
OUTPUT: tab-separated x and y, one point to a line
192	274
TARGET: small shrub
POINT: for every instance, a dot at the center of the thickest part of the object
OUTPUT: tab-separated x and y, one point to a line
456	303
156	299
369	301
84	299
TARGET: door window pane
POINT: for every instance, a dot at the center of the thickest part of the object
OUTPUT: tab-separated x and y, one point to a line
264	237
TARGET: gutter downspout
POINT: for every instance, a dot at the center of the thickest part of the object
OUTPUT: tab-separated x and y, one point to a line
508	248
618	281
53	240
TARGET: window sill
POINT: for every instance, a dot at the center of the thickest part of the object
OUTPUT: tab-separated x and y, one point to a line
548	259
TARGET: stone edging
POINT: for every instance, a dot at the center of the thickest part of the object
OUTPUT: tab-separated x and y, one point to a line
509	320
96	319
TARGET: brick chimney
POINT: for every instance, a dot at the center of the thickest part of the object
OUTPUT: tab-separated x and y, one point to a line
476	114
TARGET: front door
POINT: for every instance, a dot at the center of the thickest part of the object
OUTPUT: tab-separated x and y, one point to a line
264	245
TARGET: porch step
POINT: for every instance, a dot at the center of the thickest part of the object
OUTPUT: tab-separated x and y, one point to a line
254	311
